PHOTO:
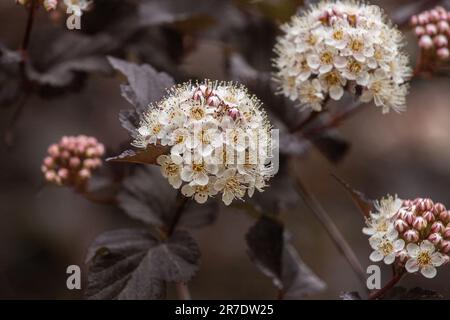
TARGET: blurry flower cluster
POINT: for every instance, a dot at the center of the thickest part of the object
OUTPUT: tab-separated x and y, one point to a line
219	140
412	233
71	161
75	6
433	30
339	46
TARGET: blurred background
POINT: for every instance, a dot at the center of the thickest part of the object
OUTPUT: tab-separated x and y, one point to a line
43	229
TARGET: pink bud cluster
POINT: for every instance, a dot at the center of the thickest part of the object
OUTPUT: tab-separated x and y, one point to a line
212	99
432	27
422	219
331	15
71	161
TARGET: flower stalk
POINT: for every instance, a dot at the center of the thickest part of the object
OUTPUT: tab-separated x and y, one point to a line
394	280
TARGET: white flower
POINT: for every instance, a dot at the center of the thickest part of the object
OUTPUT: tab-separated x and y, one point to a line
385	93
345	38
333	83
200	193
78	6
171	169
209	127
196	169
50	4
386	247
231	184
388	206
311	94
423	258
377	225
178	140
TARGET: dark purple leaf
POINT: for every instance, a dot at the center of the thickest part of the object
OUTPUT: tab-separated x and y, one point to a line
136	263
272	253
148	197
401	293
147	156
361	200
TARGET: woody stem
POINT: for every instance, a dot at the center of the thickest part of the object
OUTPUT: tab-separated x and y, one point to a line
394	280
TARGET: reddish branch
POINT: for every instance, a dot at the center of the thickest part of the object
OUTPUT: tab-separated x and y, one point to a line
395	279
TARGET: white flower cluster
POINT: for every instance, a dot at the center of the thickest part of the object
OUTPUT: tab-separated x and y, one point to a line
413	233
219	140
78	6
74	6
342	45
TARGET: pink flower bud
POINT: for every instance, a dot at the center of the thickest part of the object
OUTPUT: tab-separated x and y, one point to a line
213	101
53	150
427	204
197	95
423	18
440	41
50	176
89	163
411	235
74	162
425	42
50	4
445	246
437	227
65	154
443	26
407	203
419	31
434	15
435	238
205	90
446	259
444	215
419	223
428	216
100	149
447	233
85	174
443	53
48	161
402	256
414	21
90	152
400	225
234	113
408	216
439	207
63	173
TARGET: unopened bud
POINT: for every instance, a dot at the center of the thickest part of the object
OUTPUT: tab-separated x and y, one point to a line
437	227
435	238
411	235
419	223
400	225
429	216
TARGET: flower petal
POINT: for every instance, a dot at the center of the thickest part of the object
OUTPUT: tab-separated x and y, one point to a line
376	256
428	272
399	245
390	258
427	246
412	266
413	249
437	259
